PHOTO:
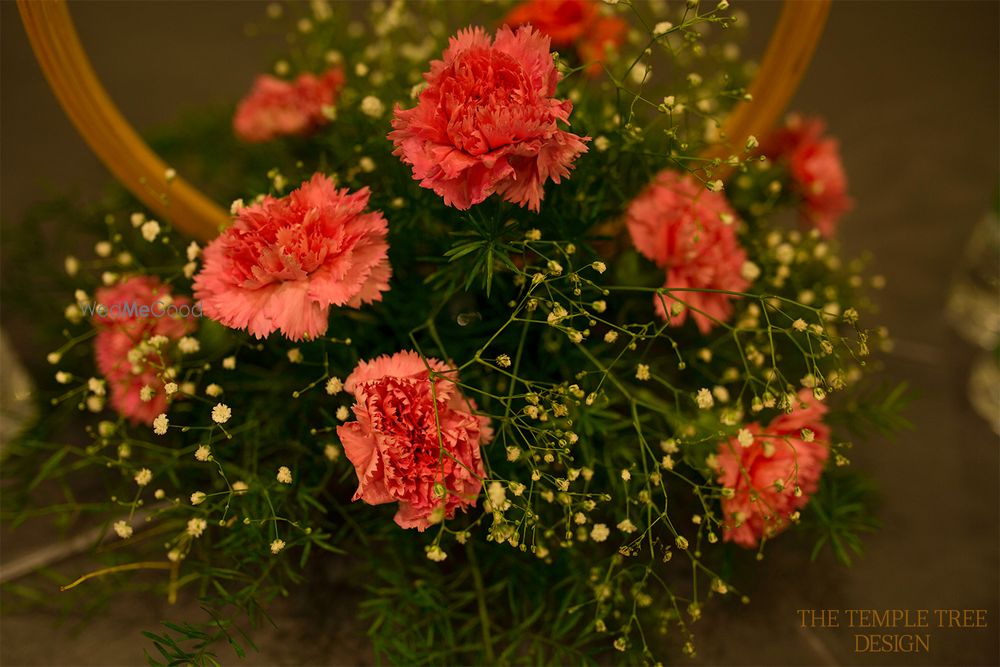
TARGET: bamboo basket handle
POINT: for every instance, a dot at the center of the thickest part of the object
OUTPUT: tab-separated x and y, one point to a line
81	95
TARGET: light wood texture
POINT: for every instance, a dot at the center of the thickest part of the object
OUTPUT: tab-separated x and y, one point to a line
121	149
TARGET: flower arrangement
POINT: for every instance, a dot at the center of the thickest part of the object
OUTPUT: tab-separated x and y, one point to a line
491	331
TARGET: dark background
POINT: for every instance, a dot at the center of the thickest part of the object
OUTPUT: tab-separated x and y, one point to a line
911	89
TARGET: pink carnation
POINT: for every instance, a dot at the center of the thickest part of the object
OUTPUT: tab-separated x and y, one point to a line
276	108
689	231
395	444
765	475
488	122
284	262
121	329
816	169
572	22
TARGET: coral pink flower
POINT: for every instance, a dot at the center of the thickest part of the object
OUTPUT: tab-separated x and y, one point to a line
121	328
487	122
572	22
689	231
765	475
276	108
397	441
816	169
284	262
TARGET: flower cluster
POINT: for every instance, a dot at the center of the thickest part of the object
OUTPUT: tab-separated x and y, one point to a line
488	121
132	350
690	232
284	262
276	108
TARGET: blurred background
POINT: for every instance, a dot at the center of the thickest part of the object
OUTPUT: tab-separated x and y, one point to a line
911	90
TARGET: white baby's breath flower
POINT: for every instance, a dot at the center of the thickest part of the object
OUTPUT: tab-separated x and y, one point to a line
240	486
277	546
343	413
627	527
436	553
213	390
160	424
626	475
62	377
704	399
745	437
170	388
599	532
533	235
808	435
372	106
143	477
198	497
150	230
642	372
72	265
602	143
750	271
610	336
195	527
137	219
95	404
103	248
188	345
159	494
331	452
295	355
334	386
189	269
229	363
123	530
53	357
221	413
284	475
235	207
203	452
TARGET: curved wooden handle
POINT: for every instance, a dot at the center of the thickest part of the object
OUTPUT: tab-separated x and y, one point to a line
785	62
83	98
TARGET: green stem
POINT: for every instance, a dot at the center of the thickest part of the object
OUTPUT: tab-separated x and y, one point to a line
484	618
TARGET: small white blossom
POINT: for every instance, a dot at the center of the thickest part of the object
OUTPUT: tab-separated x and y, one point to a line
240	486
143	477
626	475
599	532
436	553
103	249
95	404
198	497
123	530
704	399
627	527
235	207
602	143
229	363
372	106
611	337
203	453
72	265
221	413
189	269
188	345
343	413
62	377
213	390
750	271
744	437
295	355
150	230
331	452
533	235
642	372
195	527
170	388
503	361
334	386
277	546
160	424
284	475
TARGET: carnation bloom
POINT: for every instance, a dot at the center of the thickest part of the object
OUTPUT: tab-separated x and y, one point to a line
276	108
487	122
572	22
404	420
813	161
688	231
121	328
765	475
284	262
